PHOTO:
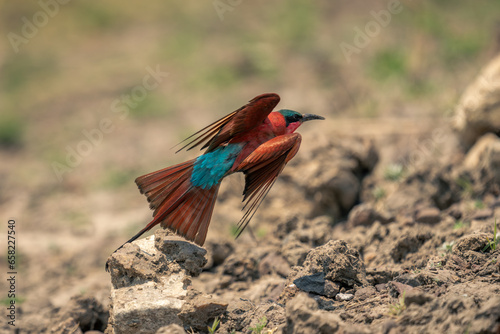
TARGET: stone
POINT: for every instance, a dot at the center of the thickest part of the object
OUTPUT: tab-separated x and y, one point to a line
331	289
343	297
365	215
151	279
428	216
144	308
311	283
189	256
171	329
478	110
132	264
482	163
317	284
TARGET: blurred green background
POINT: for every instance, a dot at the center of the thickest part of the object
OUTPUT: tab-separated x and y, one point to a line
76	67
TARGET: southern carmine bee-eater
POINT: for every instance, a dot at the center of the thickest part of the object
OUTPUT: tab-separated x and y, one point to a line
252	140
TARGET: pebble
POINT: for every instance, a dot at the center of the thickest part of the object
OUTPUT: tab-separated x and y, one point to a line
428	216
343	297
365	215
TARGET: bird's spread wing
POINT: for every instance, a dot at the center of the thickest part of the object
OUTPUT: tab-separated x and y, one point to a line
239	121
261	168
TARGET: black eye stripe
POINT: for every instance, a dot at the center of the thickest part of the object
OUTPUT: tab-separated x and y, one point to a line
293	118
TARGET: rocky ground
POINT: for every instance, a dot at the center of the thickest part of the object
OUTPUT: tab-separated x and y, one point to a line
343	244
419	258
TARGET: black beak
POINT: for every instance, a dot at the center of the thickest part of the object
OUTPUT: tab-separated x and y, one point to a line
310	117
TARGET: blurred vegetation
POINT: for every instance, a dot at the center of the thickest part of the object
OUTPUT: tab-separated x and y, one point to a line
11	130
257	39
64	79
394	172
378	193
17	300
388	63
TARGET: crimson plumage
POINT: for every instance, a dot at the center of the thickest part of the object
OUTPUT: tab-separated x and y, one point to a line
253	140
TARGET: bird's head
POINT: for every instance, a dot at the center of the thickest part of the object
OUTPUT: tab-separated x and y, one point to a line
294	119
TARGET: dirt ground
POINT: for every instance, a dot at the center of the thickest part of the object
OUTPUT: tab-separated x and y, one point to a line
383	184
412	259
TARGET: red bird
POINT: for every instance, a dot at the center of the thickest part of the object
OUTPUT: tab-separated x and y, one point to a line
253	140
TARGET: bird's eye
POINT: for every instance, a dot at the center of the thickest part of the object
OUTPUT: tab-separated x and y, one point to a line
293	118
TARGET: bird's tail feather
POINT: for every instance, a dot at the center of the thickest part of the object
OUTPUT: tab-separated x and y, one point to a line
177	204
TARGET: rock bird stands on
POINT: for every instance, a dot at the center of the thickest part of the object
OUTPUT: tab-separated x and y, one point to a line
252	140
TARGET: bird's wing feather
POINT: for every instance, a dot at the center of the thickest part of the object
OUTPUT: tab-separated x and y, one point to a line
239	121
261	169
